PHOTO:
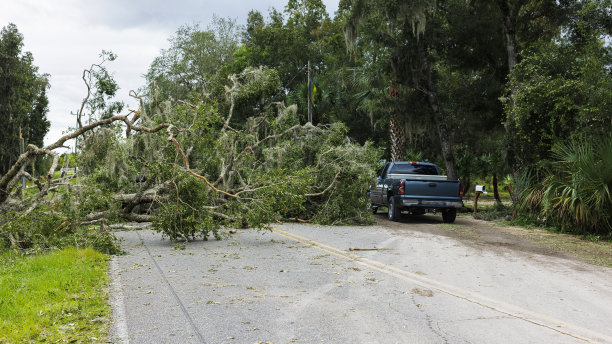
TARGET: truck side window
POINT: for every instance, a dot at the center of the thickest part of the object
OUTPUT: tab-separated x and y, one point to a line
383	173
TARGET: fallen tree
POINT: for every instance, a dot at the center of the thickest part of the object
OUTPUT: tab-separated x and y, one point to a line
182	166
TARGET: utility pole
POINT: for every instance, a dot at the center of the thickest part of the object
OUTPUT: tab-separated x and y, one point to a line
21	150
309	94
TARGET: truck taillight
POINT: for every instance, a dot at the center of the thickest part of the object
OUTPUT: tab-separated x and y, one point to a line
460	189
402	188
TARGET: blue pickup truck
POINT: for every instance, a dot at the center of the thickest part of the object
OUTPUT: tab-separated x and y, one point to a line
416	187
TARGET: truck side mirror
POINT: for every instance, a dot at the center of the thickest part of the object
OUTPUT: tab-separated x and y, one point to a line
379	179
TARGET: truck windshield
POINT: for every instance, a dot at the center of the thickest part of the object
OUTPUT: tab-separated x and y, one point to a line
413	169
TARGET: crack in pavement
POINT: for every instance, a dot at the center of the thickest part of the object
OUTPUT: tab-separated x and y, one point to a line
194	327
429	320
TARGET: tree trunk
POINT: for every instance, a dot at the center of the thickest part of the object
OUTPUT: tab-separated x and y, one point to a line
397	137
495	190
510	33
443	132
466	191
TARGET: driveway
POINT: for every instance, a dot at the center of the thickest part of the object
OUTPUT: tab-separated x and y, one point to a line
412	282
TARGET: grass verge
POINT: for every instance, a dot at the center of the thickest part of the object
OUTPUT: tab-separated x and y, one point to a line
592	252
56	297
589	249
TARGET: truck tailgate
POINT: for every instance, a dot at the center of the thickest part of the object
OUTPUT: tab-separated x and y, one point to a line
430	188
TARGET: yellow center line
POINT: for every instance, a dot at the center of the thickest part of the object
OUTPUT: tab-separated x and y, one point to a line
514	311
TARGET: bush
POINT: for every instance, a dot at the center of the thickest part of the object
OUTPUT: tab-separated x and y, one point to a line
575	191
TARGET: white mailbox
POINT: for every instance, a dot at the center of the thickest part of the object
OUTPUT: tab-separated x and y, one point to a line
481	188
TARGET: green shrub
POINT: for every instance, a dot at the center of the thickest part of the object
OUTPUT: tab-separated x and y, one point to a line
575	191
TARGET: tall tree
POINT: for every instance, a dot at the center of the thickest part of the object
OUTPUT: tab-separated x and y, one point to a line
23	99
524	23
193	64
561	88
406	36
471	74
287	42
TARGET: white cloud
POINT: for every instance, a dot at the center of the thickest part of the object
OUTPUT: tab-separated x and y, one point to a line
67	36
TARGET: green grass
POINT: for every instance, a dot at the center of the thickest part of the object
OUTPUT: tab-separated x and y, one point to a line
56	297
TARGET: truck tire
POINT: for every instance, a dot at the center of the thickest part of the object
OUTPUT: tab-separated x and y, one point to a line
449	215
394	211
374	208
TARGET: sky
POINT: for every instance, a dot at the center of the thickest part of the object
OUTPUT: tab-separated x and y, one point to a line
67	36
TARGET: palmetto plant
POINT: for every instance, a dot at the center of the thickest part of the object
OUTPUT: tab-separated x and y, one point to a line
577	189
531	194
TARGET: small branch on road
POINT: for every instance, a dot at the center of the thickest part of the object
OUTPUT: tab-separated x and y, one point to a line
365	249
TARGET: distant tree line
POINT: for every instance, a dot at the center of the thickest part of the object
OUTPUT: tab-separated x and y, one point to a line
23	98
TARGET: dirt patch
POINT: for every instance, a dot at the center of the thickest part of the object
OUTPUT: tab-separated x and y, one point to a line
495	236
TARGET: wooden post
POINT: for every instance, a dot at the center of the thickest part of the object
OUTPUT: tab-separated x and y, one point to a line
476	201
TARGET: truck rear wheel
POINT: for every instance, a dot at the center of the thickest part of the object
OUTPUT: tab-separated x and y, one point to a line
449	215
394	211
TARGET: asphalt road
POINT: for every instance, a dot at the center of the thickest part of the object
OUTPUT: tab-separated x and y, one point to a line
389	283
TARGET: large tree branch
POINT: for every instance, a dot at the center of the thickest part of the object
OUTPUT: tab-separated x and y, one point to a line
87	79
144	195
7	182
186	161
326	189
30	178
139	217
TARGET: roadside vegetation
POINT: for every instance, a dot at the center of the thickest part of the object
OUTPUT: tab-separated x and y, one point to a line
56	297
